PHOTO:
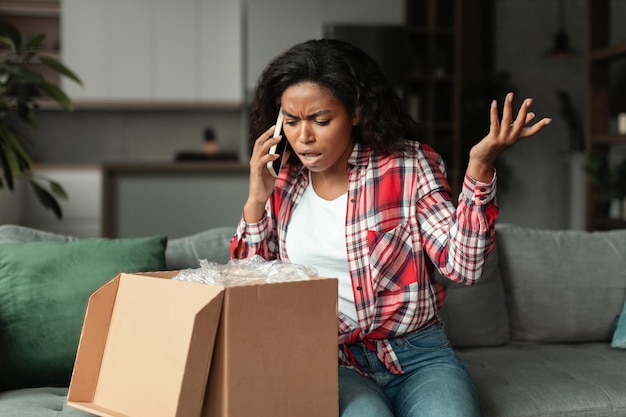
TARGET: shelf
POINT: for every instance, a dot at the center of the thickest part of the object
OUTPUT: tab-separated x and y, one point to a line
617	51
30	8
420	77
145	105
600	139
606	139
423	30
52	53
432	78
608	224
32	18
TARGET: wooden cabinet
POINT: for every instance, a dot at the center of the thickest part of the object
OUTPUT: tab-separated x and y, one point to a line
33	18
432	82
147	51
605	62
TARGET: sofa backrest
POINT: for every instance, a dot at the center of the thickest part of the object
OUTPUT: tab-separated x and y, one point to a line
212	245
182	252
552	286
476	315
562	286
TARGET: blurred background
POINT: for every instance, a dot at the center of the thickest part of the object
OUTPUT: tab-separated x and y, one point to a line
162	78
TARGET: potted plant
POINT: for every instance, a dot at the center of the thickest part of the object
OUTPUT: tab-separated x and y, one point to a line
20	88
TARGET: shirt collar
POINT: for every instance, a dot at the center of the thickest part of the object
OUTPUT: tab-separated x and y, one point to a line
360	155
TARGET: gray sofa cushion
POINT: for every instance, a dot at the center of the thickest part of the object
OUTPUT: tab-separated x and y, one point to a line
537	380
212	244
476	315
38	402
562	286
10	233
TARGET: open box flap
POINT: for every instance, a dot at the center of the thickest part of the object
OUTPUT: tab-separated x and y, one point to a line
138	342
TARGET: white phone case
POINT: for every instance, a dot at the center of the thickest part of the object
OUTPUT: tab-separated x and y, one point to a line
274	166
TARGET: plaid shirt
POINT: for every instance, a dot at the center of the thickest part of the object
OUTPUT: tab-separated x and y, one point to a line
400	225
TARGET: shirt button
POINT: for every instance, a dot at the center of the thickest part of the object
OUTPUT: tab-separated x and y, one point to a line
359	288
353	200
483	190
483	197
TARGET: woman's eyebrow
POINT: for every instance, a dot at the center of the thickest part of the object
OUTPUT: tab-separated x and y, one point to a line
309	116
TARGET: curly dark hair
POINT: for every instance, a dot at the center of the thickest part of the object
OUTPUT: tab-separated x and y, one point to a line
352	77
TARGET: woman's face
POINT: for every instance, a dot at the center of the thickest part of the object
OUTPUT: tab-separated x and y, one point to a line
318	127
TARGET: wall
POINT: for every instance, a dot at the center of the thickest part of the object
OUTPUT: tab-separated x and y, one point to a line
274	25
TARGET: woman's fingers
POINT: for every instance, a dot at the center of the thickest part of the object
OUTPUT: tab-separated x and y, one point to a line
509	130
507	113
520	121
263	144
262	141
494	119
534	129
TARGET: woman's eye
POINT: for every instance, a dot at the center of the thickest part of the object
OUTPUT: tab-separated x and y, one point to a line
322	122
290	122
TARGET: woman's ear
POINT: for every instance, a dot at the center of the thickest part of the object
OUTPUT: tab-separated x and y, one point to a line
355	120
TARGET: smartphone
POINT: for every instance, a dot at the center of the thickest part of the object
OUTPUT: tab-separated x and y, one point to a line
279	148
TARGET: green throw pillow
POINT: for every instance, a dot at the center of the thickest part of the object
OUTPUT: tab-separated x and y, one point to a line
619	337
44	289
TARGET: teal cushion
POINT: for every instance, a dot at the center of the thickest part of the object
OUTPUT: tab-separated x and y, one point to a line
619	336
44	289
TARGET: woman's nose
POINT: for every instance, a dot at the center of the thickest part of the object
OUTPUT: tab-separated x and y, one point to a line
305	134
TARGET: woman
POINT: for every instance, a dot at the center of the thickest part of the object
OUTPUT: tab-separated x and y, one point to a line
360	199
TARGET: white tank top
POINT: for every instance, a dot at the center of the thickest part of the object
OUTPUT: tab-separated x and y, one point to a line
316	237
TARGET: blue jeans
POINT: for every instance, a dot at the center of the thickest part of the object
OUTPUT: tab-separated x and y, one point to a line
435	382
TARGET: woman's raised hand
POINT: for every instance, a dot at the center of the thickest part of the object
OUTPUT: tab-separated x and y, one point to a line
502	135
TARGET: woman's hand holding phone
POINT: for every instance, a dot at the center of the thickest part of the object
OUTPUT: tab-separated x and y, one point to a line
264	153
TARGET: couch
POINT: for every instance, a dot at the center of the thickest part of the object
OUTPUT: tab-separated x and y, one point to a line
542	334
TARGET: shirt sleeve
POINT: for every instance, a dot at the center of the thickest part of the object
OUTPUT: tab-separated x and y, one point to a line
251	239
458	240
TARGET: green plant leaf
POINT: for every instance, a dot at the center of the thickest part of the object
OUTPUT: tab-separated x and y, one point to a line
16	143
6	168
24	75
57	95
21	84
9	147
24	111
58	190
10	36
46	199
60	68
36	41
14	158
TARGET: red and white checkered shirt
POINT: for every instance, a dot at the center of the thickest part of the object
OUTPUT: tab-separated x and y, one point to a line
400	225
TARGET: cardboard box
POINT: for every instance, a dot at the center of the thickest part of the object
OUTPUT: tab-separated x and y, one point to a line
152	346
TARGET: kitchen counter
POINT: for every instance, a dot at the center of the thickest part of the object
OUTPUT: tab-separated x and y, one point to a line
172	198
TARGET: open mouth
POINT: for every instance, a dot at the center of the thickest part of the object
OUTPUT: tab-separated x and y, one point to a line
309	156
